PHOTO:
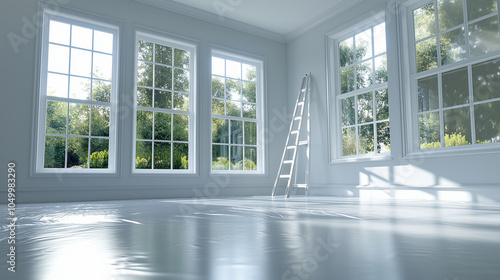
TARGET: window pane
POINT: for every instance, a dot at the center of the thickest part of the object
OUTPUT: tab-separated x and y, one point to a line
457	127
365	108
99	153
380	38
249	111
250	158
78	149
220	157
57	85
453	47
181	156
366	139
181	80
249	92
163	77
79	88
233	108
428	94
163	99
348	112
100	120
81	62
364	74
346	52
181	58
59	32
426	54
485	80
429	131
349	141
233	69
382	103
163	54
103	42
233	89
250	133
101	91
450	13
484	37
181	127
162	155
487	119
143	152
58	60
236	132
479	8
181	101
163	126
220	131
236	157
218	86
424	21
81	37
79	119
363	43
217	107
347	80
145	97
56	117
144	125
144	74
218	66
145	51
455	87
103	66
55	148
381	69
249	72
383	138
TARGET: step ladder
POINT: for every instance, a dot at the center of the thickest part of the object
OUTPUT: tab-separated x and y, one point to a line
291	153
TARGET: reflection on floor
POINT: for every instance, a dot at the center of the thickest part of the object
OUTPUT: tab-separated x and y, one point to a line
256	238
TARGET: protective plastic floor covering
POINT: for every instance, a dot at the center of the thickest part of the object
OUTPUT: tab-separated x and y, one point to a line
255	238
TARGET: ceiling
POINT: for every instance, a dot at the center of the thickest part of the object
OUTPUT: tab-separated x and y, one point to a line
279	18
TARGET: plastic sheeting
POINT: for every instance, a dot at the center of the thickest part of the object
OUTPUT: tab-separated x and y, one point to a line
255	238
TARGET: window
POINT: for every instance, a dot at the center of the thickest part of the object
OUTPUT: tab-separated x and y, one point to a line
360	111
165	88
236	114
455	75
76	121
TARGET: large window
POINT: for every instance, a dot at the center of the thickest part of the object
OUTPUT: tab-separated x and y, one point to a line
455	75
76	122
165	88
360	108
236	114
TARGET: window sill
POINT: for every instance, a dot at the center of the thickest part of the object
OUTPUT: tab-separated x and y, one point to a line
159	172
237	173
74	173
358	159
456	151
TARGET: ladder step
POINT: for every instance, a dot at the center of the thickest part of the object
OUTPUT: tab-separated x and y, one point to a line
303	143
301	103
297	118
285	176
300	186
287	161
294	132
291	147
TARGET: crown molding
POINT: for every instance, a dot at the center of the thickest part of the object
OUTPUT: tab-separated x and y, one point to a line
215	19
324	16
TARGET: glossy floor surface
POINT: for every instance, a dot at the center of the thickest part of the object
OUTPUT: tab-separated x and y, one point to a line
256	238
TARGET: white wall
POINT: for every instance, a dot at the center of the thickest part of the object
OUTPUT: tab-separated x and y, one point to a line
462	178
18	96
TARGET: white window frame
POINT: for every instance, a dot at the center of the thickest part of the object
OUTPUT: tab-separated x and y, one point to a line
411	76
260	114
332	39
75	19
170	41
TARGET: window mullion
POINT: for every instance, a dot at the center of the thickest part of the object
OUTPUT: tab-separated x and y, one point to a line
471	104
441	111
